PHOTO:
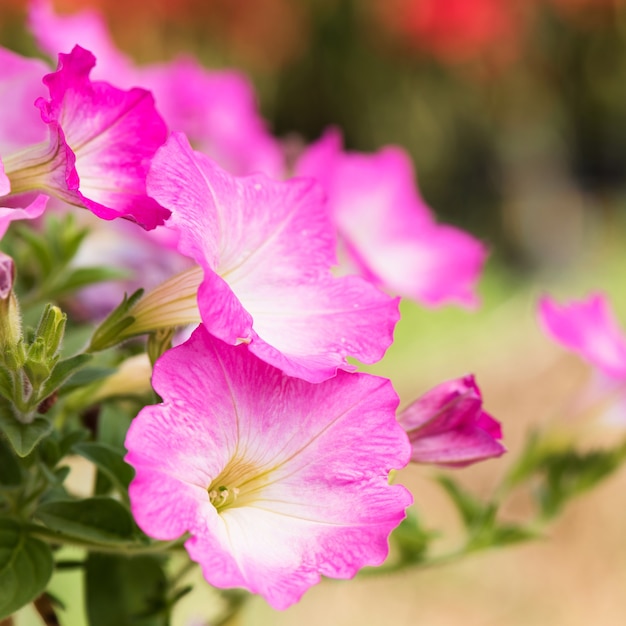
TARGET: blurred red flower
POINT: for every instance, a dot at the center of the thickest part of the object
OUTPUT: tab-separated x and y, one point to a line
456	31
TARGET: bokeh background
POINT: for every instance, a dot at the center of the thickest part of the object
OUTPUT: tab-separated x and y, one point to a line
514	112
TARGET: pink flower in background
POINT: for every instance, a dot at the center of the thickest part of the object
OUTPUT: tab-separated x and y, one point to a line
20	86
447	426
388	230
20	126
266	249
217	110
278	481
587	327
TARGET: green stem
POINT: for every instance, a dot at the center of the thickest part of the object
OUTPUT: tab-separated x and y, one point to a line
128	549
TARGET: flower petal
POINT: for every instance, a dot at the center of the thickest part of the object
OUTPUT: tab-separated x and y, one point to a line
310	462
589	328
388	229
87	28
20	86
217	110
111	134
266	249
447	425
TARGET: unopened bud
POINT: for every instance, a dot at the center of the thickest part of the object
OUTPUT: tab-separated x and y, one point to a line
10	322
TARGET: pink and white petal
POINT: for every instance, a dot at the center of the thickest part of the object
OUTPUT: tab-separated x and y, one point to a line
113	135
152	493
266	248
308	330
440	265
60	33
318	457
232	225
29	208
589	328
20	86
218	112
388	229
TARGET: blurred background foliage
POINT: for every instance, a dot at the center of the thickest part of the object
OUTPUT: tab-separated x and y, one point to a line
513	110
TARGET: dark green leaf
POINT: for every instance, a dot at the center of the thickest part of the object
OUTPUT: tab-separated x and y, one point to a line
109	460
125	592
63	371
102	520
26	565
23	437
10	470
6	383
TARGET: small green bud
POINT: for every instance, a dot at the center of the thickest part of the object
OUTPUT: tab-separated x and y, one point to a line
10	320
51	330
38	365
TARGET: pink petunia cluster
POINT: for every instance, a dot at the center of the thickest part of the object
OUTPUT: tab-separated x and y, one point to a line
268	449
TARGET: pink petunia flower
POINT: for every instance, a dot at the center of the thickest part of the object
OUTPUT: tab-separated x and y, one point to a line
265	249
20	126
277	481
217	110
447	426
100	146
587	327
388	231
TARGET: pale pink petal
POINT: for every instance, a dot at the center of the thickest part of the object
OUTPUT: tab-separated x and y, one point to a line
447	425
388	229
87	28
589	328
28	210
111	134
309	461
266	249
218	112
20	86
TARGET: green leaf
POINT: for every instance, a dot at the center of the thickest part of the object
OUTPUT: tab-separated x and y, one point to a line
84	276
109	460
102	520
471	510
6	383
109	332
62	372
26	565
568	473
86	376
412	539
125	592
23	437
511	533
10	470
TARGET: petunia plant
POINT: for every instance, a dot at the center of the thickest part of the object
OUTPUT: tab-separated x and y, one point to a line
173	317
